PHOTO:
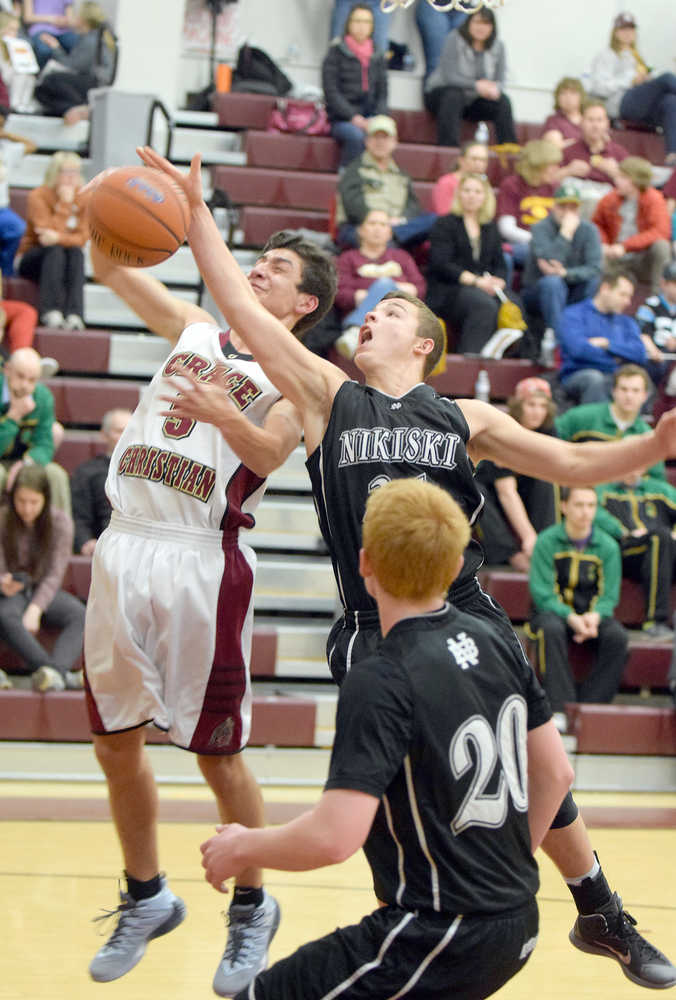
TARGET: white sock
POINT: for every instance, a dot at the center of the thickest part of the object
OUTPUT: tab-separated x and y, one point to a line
593	871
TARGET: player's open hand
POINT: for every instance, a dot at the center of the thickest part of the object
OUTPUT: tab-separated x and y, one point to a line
221	854
199	400
190	183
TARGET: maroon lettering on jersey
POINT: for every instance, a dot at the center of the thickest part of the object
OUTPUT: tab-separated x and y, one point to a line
245	393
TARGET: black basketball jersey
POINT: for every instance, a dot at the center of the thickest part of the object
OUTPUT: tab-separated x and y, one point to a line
372	438
435	725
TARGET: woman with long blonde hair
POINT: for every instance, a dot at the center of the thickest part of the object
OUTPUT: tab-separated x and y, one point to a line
626	83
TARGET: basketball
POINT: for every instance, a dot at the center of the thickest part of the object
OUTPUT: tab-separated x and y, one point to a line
138	216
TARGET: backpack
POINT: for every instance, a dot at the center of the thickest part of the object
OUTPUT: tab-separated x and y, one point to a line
257	73
300	117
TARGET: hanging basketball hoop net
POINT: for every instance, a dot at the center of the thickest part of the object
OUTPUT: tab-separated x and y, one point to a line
466	6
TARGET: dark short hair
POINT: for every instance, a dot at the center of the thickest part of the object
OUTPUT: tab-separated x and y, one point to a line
318	276
359	6
484	14
429	326
567	490
611	275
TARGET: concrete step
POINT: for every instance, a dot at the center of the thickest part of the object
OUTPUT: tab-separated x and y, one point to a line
301	646
292	476
49	133
216	146
284	523
102	307
291	585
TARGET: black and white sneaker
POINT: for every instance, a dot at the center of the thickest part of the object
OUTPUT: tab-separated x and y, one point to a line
611	932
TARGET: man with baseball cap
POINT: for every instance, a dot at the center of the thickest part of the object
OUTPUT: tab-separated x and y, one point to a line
564	262
374	180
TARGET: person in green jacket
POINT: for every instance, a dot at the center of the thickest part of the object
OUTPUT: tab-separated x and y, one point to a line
575	575
640	512
616	419
26	419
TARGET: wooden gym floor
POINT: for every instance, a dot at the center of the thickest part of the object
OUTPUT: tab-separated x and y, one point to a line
57	874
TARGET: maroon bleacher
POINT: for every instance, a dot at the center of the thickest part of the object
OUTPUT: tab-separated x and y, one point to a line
76	351
623	729
85	400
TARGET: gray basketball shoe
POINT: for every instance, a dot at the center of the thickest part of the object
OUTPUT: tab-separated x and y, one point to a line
250	931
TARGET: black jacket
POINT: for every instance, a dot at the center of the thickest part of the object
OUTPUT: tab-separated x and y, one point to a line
91	507
342	82
451	254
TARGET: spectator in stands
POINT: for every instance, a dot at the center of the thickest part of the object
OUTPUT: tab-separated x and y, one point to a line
657	320
90	63
48	21
594	159
91	506
564	260
621	77
564	126
612	419
27	425
340	16
19	82
354	77
35	545
640	513
434	26
669	193
365	275
17	326
575	576
634	223
518	507
12	226
473	159
466	266
526	196
469	79
595	338
374	180
51	248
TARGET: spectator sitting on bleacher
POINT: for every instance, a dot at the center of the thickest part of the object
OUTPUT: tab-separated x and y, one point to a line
466	266
526	196
89	64
51	248
35	546
564	259
374	180
473	159
469	79
48	21
27	425
640	512
354	78
634	223
621	77
564	125
434	26
367	274
91	506
17	326
669	193
657	320
575	576
341	14
12	226
594	159
595	338
518	507
18	66
611	420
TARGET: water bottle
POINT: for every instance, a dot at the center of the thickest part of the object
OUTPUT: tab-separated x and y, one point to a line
482	134
482	387
547	348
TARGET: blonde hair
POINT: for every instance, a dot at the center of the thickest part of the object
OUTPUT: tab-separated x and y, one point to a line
94	16
413	535
429	327
638	170
534	157
60	161
487	210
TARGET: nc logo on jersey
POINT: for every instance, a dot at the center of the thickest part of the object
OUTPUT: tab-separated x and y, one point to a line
464	651
395	406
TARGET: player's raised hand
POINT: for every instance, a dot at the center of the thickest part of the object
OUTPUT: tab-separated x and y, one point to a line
191	183
199	400
221	855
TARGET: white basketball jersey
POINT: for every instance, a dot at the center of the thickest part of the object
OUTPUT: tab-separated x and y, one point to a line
183	471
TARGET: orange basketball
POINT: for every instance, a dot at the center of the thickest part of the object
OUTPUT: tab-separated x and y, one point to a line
138	216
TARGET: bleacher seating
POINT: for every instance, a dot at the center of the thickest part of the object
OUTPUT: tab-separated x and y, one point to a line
281	181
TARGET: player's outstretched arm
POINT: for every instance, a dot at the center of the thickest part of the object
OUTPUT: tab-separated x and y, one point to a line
496	436
308	381
261	449
325	835
550	776
162	312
